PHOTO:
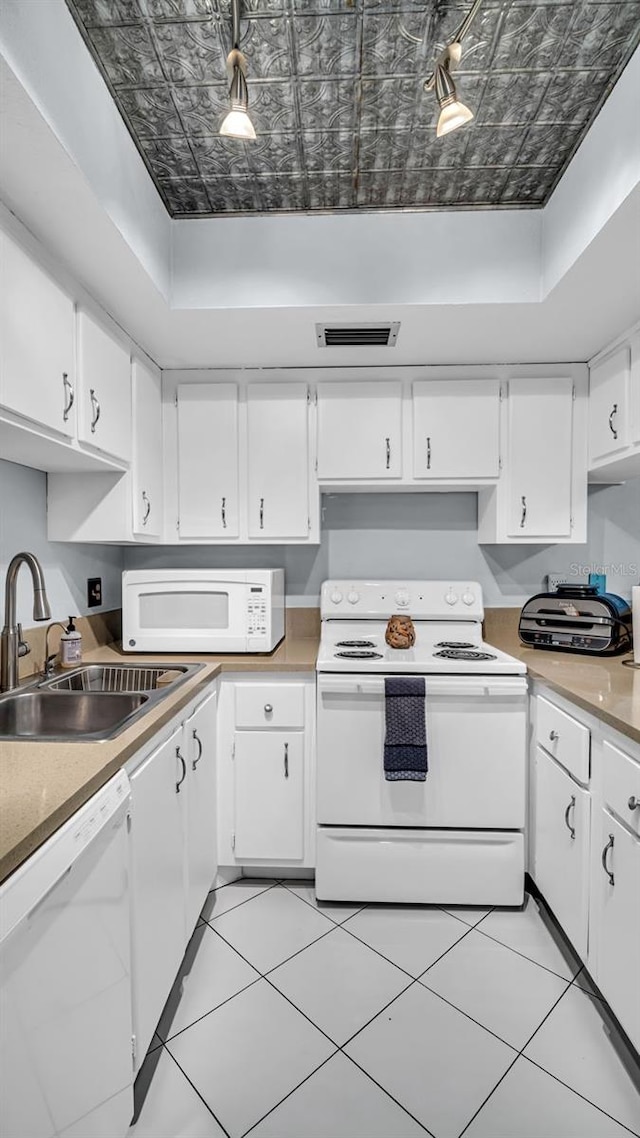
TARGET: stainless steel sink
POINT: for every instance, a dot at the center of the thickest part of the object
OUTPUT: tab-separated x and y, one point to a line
68	717
117	678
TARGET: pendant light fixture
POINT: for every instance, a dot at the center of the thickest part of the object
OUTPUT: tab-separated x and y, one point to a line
237	123
453	112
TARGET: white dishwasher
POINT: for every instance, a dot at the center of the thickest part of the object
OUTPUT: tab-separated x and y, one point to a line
65	1012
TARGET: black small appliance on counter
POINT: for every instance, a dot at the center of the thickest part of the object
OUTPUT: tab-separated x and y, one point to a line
577	618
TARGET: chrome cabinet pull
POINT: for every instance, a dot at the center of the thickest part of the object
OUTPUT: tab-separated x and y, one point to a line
69	395
286	760
428	452
96	410
553	735
614	411
609	846
223	512
388	450
262	513
268	708
570	807
634	803
184	770
147	502
200	749
524	512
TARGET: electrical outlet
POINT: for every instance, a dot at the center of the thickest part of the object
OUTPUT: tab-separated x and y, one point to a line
555	579
94	592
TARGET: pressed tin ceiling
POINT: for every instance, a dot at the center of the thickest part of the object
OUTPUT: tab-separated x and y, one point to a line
336	97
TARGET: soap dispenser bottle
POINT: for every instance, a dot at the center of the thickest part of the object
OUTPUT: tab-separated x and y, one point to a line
70	646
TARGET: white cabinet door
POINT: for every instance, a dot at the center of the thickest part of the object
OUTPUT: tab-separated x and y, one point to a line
609	404
147	450
37	343
540	414
208	460
616	922
199	750
157	866
278	460
456	429
634	391
104	389
269	795
359	430
561	847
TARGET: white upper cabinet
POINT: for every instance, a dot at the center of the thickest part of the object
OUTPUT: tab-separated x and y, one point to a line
104	389
278	460
147	451
208	492
37	343
359	430
456	429
609	404
539	457
634	400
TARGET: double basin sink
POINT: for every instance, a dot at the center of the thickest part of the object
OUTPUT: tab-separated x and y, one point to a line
91	703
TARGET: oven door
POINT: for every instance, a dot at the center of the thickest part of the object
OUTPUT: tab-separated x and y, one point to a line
476	740
181	615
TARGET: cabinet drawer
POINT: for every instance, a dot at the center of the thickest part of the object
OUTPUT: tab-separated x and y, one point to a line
621	785
270	705
564	738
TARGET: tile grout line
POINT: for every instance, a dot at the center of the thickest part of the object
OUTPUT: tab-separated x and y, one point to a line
195	1089
207	920
529	958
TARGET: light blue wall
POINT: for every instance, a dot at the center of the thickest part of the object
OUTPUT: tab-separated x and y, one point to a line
430	535
23	526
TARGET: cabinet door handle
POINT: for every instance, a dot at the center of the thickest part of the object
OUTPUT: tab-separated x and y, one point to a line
609	846
96	410
554	736
223	512
523	516
147	504
262	513
286	760
387	443
570	807
69	395
634	803
614	411
184	770
200	748
428	452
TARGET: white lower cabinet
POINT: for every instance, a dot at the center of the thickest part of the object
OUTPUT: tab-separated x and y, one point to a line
560	868
266	782
173	858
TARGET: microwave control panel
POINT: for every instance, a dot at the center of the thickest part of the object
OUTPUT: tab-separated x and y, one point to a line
256	611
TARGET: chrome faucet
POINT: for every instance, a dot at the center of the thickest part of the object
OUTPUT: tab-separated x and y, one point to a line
12	646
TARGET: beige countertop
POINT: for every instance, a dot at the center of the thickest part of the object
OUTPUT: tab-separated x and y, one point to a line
43	783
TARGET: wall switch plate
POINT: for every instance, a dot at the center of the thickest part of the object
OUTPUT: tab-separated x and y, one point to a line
94	592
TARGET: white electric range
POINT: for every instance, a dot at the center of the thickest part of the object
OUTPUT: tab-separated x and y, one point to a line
458	837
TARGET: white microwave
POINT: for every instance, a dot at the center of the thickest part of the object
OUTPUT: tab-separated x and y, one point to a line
202	610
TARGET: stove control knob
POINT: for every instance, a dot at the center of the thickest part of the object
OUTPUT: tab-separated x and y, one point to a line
336	596
451	598
468	598
402	598
353	597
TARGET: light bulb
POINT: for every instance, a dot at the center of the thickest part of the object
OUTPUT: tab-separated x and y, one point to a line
452	116
237	124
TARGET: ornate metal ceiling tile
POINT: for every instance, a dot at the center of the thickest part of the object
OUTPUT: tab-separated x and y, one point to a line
191	52
384	149
533	35
545	144
202	109
482	186
252	8
160	10
185	196
529	185
127	55
492	145
232	195
96	13
150	112
326	45
218	157
331	192
572	96
389	103
479	43
332	151
274	154
509	96
429	152
166	155
603	33
281	193
394	44
329	105
267	47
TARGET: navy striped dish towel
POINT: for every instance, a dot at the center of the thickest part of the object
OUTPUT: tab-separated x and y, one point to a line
405	743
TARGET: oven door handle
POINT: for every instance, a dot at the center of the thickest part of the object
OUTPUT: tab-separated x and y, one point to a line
434	686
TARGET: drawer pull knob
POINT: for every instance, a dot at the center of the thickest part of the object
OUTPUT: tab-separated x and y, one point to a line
570	807
553	735
634	803
609	846
268	708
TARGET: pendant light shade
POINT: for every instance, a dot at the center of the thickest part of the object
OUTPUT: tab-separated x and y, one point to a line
453	113
237	123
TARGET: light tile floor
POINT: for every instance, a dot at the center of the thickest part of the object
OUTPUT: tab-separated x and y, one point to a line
297	1019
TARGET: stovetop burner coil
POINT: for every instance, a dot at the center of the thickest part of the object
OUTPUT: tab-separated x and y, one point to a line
355	644
360	655
454	644
464	654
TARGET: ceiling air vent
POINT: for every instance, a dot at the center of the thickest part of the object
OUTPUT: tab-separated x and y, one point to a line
357	335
